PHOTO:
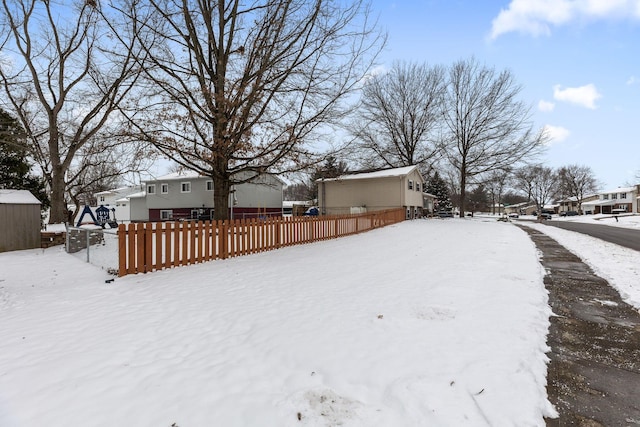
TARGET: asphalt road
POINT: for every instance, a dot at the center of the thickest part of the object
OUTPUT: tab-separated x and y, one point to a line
594	336
628	238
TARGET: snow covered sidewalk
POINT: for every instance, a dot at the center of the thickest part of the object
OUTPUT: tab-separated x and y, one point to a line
429	322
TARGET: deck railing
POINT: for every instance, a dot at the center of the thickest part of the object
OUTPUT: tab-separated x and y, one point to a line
152	246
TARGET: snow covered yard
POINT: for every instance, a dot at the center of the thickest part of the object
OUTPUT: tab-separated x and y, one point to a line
427	322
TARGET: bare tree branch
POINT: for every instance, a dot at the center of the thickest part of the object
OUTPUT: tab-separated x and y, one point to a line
399	114
238	89
578	182
487	128
65	83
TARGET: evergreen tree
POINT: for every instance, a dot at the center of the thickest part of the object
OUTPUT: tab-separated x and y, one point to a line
438	187
15	170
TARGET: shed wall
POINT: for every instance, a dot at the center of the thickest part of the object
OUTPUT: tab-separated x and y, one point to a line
19	227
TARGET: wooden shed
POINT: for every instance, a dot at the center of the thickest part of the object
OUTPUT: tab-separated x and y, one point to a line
20	220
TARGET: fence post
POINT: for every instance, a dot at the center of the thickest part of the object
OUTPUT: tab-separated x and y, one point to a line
122	251
88	244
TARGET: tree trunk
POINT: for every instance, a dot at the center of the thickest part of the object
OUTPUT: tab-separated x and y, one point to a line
221	187
58	212
463	192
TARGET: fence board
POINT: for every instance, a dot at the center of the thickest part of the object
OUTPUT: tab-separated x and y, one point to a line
154	246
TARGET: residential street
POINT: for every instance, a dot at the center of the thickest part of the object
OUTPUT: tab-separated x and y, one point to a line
621	236
594	371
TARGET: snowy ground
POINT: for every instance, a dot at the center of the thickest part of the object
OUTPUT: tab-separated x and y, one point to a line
431	322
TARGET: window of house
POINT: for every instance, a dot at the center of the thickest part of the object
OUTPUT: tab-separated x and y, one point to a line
605	197
417	186
185	187
164	188
410	185
623	195
151	189
209	185
102	198
166	214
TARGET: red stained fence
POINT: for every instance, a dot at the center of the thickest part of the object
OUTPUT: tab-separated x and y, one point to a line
152	246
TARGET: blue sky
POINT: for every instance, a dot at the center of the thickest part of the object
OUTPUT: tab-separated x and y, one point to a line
577	60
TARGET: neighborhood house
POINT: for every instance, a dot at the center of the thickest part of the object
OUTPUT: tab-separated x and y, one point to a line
118	200
372	191
188	195
619	200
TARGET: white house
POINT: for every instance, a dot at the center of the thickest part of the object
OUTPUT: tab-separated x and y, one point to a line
370	191
117	200
621	199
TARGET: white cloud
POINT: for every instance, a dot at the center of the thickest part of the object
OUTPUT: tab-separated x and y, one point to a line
632	80
546	106
584	96
374	72
556	134
536	17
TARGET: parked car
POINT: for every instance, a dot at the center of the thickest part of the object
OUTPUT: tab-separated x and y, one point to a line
568	213
545	215
445	214
513	215
313	211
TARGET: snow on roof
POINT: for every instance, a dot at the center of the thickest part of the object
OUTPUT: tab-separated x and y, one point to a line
386	173
290	203
18	197
120	191
620	190
192	175
600	203
517	205
177	175
136	195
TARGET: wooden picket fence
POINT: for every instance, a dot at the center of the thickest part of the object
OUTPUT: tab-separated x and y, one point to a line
146	247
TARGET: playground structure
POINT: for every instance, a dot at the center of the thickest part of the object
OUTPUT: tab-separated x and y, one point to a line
101	218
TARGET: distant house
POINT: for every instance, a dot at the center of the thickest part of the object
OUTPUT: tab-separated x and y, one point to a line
137	204
188	195
118	201
517	208
571	203
371	191
619	199
21	221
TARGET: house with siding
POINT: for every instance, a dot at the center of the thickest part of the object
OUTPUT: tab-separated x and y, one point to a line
188	195
118	201
619	199
372	191
571	203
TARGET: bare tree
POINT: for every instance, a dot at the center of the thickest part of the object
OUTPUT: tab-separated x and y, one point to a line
495	185
577	181
65	82
539	183
398	115
487	128
100	167
241	87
